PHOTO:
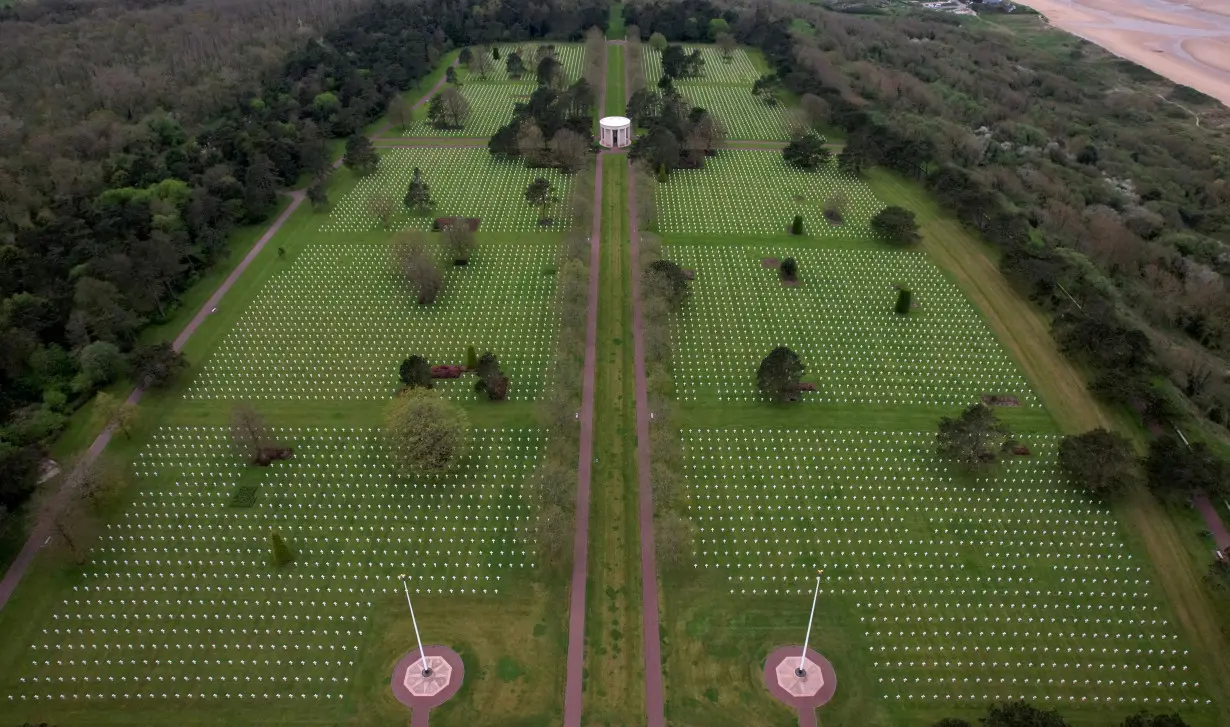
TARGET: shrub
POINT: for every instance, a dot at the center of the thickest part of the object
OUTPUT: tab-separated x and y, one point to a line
244	496
415	371
471	358
796	228
789	268
903	302
282	554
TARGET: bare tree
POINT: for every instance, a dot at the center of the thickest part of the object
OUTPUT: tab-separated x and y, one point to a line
816	108
414	260
595	57
835	206
530	144
250	433
399	112
633	59
552	535
727	45
480	62
459	241
113	411
380	206
569	149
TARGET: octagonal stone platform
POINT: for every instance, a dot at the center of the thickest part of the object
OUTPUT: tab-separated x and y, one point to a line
419	692
804	693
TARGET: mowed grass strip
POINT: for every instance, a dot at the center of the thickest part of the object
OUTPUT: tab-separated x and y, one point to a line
340	320
1006	585
181	601
464	182
491	107
751	192
841	321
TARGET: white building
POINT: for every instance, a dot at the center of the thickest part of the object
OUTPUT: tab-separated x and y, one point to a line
614	132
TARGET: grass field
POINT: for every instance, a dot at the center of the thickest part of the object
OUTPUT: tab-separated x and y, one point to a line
465	182
749	192
570	55
338	322
740	70
840	320
745	116
491	106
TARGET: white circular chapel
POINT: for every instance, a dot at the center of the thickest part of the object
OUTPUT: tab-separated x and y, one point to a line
614	132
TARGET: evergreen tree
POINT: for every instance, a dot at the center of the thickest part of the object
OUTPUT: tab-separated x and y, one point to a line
415	371
282	554
904	298
317	194
796	227
779	374
360	156
418	194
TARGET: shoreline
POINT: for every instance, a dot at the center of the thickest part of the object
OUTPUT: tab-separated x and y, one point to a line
1188	44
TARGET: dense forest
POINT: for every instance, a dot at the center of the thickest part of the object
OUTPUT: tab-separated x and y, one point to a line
136	134
1109	203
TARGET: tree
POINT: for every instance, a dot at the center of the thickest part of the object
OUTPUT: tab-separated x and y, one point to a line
673	541
975	439
531	145
425	432
1175	469
282	554
516	66
360	156
111	410
156	365
816	109
380	206
1100	461
570	150
835	206
448	109
789	269
471	358
415	372
459	242
727	45
806	152
317	194
551	74
853	159
664	278
418	194
450	75
481	62
796	227
417	265
100	363
904	299
657	41
465	56
250	433
1021	714
779	374
540	193
399	111
896	225
490	378
718	27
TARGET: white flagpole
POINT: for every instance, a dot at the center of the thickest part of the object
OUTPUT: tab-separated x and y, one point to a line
413	620
803	660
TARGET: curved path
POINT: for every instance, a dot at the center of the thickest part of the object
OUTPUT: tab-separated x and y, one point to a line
42	528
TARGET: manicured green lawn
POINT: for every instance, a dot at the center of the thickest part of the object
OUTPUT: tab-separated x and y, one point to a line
745	116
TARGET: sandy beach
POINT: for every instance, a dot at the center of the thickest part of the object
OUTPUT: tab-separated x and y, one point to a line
1187	42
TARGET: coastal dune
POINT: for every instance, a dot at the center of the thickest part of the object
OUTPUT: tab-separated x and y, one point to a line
1187	42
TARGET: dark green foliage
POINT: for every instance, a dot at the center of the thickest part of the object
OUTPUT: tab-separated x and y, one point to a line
1100	461
779	374
450	75
1174	469
360	156
415	371
244	495
1021	714
551	110
318	195
490	378
678	63
418	193
952	722
156	365
796	227
551	74
1144	719
806	152
516	66
667	279
282	554
464	56
471	358
904	299
659	148
975	439
853	159
540	193
789	268
896	225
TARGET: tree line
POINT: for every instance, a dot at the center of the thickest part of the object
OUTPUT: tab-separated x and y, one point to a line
112	204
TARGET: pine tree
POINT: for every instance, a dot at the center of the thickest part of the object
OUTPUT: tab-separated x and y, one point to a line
796	228
418	194
282	554
903	302
471	358
360	155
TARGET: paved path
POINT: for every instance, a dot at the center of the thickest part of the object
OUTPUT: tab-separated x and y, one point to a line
575	684
1212	520
42	528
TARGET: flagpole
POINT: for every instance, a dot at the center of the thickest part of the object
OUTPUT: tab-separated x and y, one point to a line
413	620
802	668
